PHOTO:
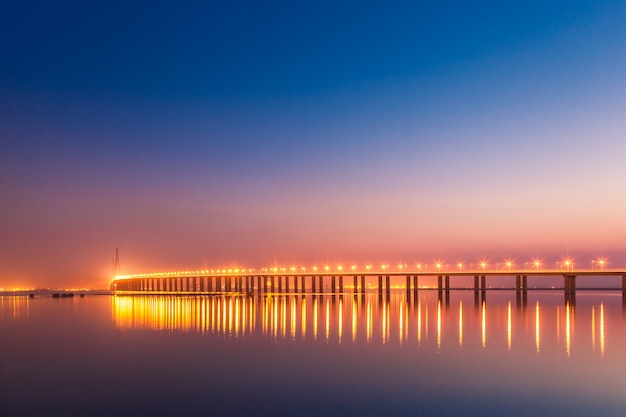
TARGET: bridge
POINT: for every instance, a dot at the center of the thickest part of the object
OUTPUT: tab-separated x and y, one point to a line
333	282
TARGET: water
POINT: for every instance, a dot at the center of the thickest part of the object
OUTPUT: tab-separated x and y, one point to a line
295	355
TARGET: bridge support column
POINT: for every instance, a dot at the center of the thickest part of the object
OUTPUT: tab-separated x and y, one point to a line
303	282
321	282
447	283
387	284
362	284
355	284
525	284
475	282
624	285
570	284
273	284
332	284
518	283
483	283
280	284
295	284
408	283
380	284
415	284
341	283
439	282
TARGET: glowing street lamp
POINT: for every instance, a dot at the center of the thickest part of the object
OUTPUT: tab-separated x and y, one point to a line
508	264
600	262
537	263
438	266
568	264
460	265
483	265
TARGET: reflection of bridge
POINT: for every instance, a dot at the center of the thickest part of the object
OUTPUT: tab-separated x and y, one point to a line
426	320
208	283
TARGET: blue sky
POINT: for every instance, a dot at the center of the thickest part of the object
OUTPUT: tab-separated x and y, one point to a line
278	119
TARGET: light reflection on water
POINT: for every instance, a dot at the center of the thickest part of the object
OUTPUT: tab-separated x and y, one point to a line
292	355
395	320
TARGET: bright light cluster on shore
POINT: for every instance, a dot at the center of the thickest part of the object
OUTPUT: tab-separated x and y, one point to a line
482	265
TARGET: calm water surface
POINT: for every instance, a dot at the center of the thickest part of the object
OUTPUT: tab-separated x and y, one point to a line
295	355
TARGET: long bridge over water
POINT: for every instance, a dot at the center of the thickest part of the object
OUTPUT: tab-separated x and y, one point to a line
204	282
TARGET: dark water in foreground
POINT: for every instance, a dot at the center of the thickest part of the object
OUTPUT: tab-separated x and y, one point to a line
289	355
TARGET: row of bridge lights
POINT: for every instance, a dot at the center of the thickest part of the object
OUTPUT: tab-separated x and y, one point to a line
566	265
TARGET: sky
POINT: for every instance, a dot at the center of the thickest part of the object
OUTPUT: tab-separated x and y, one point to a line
194	135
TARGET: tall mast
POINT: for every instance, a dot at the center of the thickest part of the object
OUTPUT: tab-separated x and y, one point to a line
116	264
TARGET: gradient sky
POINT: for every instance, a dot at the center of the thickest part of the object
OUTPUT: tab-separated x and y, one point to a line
192	135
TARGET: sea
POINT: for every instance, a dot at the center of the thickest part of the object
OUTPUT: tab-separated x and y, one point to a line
424	353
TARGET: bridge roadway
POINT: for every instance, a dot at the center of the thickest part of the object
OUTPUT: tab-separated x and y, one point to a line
203	283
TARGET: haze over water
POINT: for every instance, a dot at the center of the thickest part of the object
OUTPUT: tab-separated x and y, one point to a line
312	355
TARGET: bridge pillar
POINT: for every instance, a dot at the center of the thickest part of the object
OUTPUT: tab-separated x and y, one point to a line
387	284
363	284
415	284
483	283
569	284
303	282
475	282
624	285
321	277
341	283
518	283
525	283
447	283
355	284
380	284
280	284
273	283
332	284
439	282
295	284
408	283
